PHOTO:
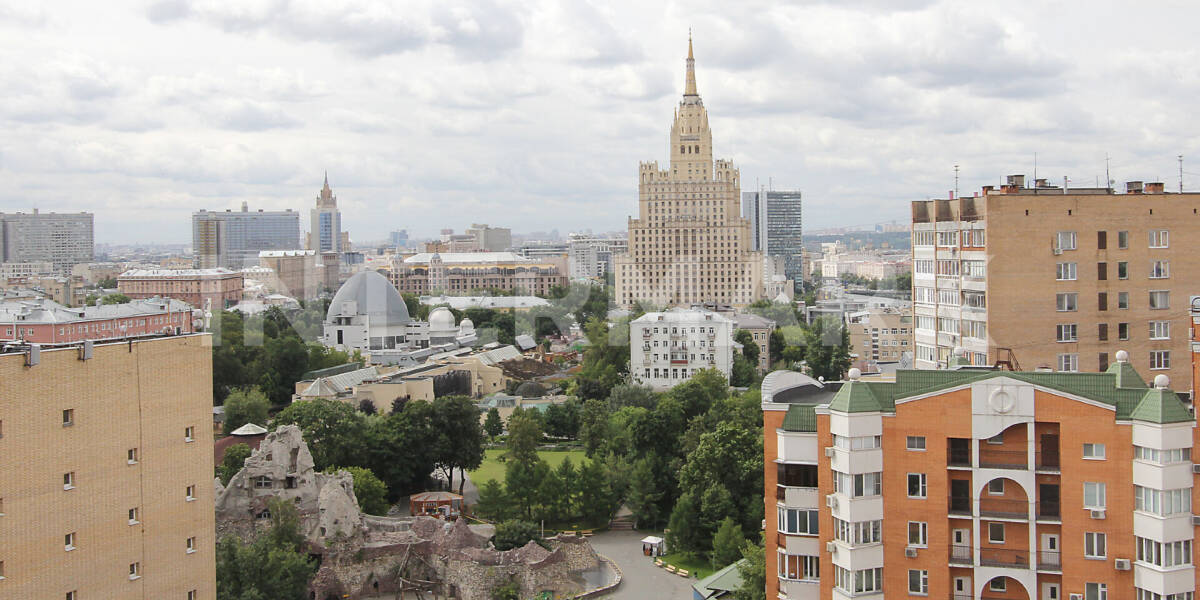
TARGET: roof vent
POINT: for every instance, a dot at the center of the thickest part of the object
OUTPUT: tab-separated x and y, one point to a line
1133	187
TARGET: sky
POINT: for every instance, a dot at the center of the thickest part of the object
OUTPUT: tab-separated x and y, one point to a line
534	114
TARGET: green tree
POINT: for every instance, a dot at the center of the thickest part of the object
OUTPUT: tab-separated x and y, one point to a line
776	345
631	394
753	571
699	392
550	494
460	437
566	502
509	590
245	405
750	348
514	533
523	482
730	458
284	362
233	461
744	373
401	447
563	420
115	299
524	435
594	492
727	543
594	426
686	534
369	490
827	349
645	493
492	425
107	283
494	502
272	567
334	431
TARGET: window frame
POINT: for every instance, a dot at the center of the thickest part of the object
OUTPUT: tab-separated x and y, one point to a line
922	486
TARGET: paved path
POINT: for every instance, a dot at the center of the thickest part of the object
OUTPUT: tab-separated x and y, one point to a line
642	580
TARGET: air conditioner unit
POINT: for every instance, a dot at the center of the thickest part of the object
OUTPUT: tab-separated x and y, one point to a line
831	501
831	547
1195	520
1058	251
1097	513
1076	596
1196	468
829	451
1122	564
910	552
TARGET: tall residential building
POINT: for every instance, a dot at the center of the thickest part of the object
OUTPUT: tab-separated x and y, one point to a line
325	234
880	335
107	477
689	243
666	348
592	257
978	483
232	240
61	239
1049	277
775	219
490	239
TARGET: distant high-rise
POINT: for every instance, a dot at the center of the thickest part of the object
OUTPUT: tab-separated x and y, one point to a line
61	239
689	244
398	238
491	239
233	239
326	222
774	217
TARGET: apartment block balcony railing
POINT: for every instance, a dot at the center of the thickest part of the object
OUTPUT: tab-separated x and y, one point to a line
1049	560
1003	557
958	457
1048	460
961	554
1049	510
1003	459
1002	508
960	505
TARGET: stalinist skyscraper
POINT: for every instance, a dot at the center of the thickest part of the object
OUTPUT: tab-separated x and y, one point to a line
689	243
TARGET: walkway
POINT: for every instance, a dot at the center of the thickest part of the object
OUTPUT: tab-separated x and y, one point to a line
641	578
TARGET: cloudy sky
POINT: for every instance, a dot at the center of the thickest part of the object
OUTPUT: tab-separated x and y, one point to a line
534	114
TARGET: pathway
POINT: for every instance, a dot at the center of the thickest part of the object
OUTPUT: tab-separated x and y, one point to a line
641	579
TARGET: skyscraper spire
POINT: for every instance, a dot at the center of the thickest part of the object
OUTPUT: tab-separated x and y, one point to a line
689	87
327	178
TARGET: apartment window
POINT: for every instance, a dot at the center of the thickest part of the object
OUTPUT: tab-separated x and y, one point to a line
798	567
947	238
859	582
996	487
1093	450
798	521
1123	300
191	545
68	417
1158	238
1160	360
192	595
191	493
1094	495
1122	270
1066	271
973	299
863	484
1102	332
131	456
1160	269
915	442
918	582
998	584
796	475
996	533
997	439
1160	554
135	570
1101	240
1068	302
1094	545
69	541
1	570
916	485
189	434
133	516
1068	363
1101	271
1102	301
861	442
1122	331
1160	300
1095	591
1123	240
72	595
860	532
1162	502
1065	240
1160	330
918	533
1174	455
69	480
1068	333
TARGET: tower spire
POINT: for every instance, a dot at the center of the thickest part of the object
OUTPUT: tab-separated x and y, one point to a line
326	178
689	87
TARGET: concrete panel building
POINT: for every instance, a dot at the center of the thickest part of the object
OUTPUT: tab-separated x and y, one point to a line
62	239
490	239
1050	277
107	477
197	287
666	348
880	334
775	226
232	240
689	243
591	257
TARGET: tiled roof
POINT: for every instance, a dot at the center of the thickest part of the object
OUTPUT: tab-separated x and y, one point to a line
1160	406
723	581
800	417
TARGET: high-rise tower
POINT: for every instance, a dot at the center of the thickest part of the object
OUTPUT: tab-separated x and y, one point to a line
326	222
689	243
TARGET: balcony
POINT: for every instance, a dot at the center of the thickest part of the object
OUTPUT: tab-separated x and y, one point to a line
1003	508
1048	510
958	452
960	505
1049	560
1003	557
1003	459
961	554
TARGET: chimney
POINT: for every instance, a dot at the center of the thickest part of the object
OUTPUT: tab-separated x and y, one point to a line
951	194
1016	180
1154	187
987	189
1133	187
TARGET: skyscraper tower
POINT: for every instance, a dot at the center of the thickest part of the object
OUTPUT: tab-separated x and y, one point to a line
326	222
689	243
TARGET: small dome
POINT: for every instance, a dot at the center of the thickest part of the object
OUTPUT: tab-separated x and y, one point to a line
1162	382
466	324
854	374
1122	356
441	319
373	295
530	389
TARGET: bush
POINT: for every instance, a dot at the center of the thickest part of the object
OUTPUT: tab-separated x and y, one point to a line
233	461
245	405
368	489
515	533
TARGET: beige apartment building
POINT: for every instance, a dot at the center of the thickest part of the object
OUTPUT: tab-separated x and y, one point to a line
106	483
194	286
880	334
689	243
1049	277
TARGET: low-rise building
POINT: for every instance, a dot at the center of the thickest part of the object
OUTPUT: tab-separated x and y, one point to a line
298	273
195	286
760	329
44	321
466	272
666	348
880	334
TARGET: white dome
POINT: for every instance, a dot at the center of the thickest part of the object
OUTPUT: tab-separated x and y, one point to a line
370	294
466	325
1162	382
441	319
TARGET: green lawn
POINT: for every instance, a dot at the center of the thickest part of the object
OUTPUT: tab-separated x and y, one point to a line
696	567
492	468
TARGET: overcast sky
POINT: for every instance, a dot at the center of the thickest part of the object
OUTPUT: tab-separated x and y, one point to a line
534	114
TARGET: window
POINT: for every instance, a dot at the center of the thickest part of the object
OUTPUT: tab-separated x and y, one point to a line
1068	333
1123	240
862	442
1102	332
189	434
1123	300
191	545
68	417
72	595
1160	360
1093	450
859	532
192	595
915	442
1122	331
131	456
995	487
916	485
135	571
1094	545
998	584
1095	591
1162	502
798	567
1101	271
262	482
1160	330
1122	270
69	480
133	516
863	484
191	493
859	582
997	439
996	533
974	299
947	238
69	541
918	582
918	533
1160	269
798	521
1102	301
1068	302
1160	300
1065	240
1066	271
1093	494
796	475
1158	238
1101	240
1174	455
1068	363
1164	554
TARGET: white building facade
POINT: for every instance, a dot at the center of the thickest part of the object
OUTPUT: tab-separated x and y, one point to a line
666	348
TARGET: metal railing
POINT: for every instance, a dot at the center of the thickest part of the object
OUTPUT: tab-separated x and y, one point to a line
959	458
1049	510
1003	508
960	505
1003	557
961	554
1049	560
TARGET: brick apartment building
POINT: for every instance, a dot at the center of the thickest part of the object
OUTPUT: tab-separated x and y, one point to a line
1053	277
106	484
43	321
978	483
194	286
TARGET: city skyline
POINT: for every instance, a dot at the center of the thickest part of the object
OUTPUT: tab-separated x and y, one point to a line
535	116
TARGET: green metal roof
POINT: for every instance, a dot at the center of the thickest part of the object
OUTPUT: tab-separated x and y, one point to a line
856	396
723	581
1127	376
800	417
1160	406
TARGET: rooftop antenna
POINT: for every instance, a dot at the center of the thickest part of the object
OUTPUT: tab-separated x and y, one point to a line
1035	169
1107	176
1180	173
956	181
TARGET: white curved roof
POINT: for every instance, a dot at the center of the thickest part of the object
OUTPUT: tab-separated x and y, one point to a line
441	319
373	296
778	381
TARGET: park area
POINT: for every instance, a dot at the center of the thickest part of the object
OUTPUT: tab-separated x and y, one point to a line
493	466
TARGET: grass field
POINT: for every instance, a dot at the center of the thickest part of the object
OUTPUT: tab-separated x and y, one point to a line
492	468
696	567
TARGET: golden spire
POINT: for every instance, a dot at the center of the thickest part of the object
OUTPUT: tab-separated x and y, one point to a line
689	87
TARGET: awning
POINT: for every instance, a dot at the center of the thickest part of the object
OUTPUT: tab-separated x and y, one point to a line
650	539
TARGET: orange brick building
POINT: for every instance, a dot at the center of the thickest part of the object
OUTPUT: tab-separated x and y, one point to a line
978	483
194	286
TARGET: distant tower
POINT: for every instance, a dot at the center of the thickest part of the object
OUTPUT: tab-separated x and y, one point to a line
326	222
437	275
